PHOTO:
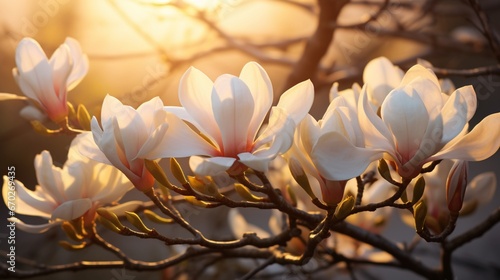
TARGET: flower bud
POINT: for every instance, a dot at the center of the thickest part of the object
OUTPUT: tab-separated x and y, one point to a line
83	117
134	219
300	176
344	208
456	185
420	215
245	193
152	216
333	191
110	217
418	190
176	169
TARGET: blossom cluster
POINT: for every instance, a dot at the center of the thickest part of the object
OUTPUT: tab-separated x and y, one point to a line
406	120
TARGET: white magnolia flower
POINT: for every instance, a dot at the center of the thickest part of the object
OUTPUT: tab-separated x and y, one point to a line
46	82
127	136
229	112
67	193
419	124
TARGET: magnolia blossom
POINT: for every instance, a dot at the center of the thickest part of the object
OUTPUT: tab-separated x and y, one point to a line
64	194
417	124
439	190
228	114
316	146
46	82
127	136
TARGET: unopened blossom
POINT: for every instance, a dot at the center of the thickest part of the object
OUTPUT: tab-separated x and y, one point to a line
316	146
438	190
229	113
127	136
419	124
46	82
64	194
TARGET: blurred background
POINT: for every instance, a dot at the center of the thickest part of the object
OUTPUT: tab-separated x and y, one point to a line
139	49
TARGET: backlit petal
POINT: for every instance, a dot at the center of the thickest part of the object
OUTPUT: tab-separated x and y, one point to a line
210	166
338	159
297	100
480	143
233	108
259	84
72	209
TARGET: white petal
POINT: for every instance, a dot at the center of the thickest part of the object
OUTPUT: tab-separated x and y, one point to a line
33	73
419	72
33	228
376	133
88	148
338	159
233	108
482	142
61	64
49	177
455	117
406	116
32	113
27	202
152	113
72	209
257	80
381	76
298	100
195	94
80	63
210	166
180	141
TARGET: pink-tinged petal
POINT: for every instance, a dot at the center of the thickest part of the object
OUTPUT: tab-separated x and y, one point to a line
297	101
481	189
233	108
72	209
210	166
259	84
32	113
338	159
11	96
27	202
381	76
282	141
130	131
80	63
479	144
195	94
180	141
61	64
33	228
376	133
405	115
455	117
429	145
34	73
88	148
49	177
